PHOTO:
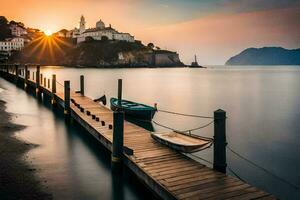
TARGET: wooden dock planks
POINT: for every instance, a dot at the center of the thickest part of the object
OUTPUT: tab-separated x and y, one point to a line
162	168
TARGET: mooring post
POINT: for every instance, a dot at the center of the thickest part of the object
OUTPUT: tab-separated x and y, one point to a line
45	82
48	83
26	76
118	131
37	79
17	72
53	102
119	92
67	98
41	79
82	85
220	141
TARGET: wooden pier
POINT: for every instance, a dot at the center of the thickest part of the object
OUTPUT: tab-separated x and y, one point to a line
169	174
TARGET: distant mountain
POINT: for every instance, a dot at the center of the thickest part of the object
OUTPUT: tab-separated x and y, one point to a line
266	56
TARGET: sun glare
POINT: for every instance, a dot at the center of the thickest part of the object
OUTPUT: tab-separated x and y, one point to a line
48	32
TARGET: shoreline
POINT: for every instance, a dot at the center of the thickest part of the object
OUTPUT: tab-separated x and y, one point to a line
17	177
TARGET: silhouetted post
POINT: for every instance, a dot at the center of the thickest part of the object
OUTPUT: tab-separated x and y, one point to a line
32	75
82	85
220	141
37	79
67	97
118	131
53	89
17	72
45	82
41	79
48	83
26	76
119	92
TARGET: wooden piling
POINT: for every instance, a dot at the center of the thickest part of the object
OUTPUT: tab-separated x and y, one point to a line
53	83
17	74
41	79
48	83
37	77
26	76
67	97
118	139
82	85
220	141
119	92
45	82
53	89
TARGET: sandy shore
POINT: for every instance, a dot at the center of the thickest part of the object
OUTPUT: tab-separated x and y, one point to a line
17	177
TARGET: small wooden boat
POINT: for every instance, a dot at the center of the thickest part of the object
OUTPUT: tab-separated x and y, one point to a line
183	142
133	109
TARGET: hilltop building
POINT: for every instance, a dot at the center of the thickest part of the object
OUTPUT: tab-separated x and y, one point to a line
17	30
12	44
99	32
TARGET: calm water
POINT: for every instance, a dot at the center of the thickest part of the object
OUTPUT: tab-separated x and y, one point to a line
262	104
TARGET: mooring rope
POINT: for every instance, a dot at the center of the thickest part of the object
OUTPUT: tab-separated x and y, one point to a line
183	114
263	169
185	131
235	174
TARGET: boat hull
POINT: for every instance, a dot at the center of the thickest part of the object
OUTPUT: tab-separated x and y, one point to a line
143	115
180	146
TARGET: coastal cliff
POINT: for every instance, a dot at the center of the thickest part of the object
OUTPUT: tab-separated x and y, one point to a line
108	53
266	56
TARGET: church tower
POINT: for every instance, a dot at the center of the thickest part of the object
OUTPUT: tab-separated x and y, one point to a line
82	24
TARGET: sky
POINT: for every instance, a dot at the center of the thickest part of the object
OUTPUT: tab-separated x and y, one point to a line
215	30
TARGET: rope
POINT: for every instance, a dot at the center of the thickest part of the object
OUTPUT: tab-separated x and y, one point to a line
264	169
186	115
190	130
235	174
200	127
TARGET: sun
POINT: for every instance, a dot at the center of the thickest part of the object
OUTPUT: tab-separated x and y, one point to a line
48	32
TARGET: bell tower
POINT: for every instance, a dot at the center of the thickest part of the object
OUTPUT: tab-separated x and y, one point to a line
82	24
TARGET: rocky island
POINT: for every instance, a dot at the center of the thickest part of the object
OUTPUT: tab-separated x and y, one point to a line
266	56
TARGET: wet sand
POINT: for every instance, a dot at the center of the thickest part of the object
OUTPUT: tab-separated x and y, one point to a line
17	176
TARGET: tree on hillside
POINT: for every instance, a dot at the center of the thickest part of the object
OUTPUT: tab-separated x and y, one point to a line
5	32
150	45
17	23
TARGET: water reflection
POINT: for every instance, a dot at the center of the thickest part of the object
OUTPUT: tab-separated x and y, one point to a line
69	162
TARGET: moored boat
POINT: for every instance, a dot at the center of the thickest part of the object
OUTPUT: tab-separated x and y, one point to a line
132	109
183	142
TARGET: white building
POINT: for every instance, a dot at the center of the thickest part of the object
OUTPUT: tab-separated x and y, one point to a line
9	45
17	30
98	32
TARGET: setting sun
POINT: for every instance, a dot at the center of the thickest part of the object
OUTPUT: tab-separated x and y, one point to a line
48	32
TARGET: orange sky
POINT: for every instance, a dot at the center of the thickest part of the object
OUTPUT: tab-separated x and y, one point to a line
214	33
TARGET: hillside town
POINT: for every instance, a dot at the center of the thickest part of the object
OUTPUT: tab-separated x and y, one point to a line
19	35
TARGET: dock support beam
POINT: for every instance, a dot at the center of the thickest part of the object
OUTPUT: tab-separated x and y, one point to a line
17	72
37	79
67	98
119	92
26	76
82	85
118	131
53	101
220	141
